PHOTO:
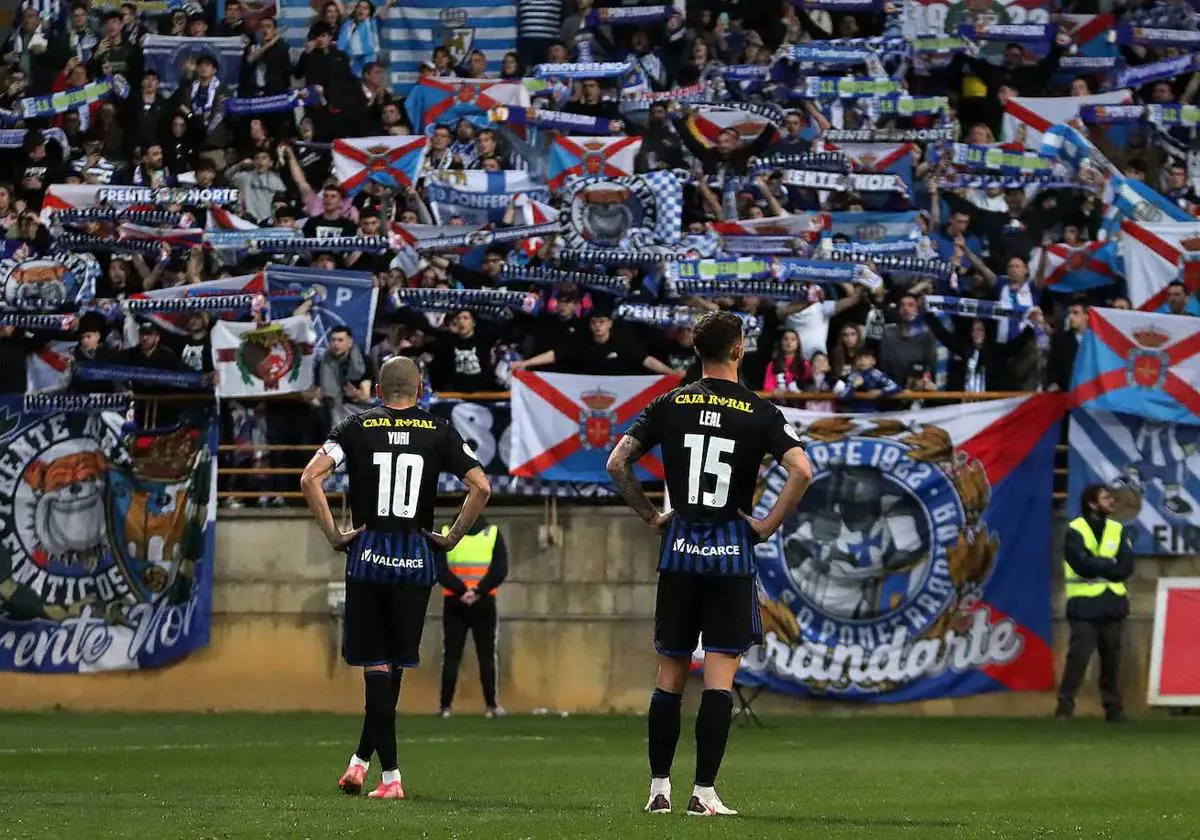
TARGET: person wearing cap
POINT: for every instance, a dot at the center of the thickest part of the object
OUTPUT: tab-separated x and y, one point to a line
600	353
90	349
202	103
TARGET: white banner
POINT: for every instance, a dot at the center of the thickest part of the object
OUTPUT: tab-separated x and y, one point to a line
273	359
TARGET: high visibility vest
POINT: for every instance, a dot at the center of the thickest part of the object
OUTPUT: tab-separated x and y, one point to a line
1109	545
472	557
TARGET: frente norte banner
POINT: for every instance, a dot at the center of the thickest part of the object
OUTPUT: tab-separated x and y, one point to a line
106	540
918	565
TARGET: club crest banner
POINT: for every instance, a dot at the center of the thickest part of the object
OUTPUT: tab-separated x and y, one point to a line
48	284
273	359
1153	469
915	567
340	299
639	210
107	546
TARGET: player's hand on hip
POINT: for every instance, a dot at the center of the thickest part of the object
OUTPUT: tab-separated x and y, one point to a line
659	521
442	542
342	541
761	528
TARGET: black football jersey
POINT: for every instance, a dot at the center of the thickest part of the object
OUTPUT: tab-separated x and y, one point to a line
713	435
393	457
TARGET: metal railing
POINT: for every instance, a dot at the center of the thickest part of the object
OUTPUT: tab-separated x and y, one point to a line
151	405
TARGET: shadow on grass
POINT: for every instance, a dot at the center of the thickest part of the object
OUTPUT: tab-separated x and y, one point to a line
795	820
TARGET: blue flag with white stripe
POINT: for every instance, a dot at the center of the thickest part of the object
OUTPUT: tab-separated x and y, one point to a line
478	197
1153	469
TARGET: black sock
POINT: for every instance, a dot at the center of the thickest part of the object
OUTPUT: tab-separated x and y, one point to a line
712	733
381	717
366	744
664	731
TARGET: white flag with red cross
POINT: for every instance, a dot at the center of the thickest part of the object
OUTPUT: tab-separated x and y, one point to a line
613	156
394	162
564	425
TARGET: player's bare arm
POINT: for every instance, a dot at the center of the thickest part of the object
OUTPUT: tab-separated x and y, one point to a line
479	490
799	476
312	484
620	467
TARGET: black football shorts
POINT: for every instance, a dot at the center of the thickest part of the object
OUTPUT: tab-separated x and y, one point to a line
722	609
383	622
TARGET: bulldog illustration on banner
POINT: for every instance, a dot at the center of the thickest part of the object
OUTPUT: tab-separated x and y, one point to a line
105	541
917	564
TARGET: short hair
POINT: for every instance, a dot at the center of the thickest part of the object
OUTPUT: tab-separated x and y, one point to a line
1091	495
715	334
399	379
1179	283
342	328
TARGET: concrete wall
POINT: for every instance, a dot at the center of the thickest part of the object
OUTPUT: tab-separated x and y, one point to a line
576	632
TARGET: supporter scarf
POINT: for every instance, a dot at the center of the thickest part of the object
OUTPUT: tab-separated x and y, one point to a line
847	6
989	181
81	215
1150	37
992	159
561	120
908	106
845	87
992	310
778	245
941	44
857	181
1111	114
818	54
14	138
50	104
814	271
890	264
545	276
279	103
99	244
1187	116
1016	33
78	403
684	94
663	316
620	259
309	146
813	161
1144	74
746	72
583	70
900	246
154	376
772	289
449	299
192	303
312	244
627	16
890	135
475	238
49	323
1089	64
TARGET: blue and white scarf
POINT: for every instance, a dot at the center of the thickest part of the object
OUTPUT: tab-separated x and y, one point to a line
47	323
1170	68
50	104
450	299
78	403
545	276
132	373
661	316
581	70
1150	37
560	120
822	54
278	103
992	310
1017	33
845	87
627	15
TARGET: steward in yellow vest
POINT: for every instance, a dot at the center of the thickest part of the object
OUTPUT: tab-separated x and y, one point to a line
480	561
1096	563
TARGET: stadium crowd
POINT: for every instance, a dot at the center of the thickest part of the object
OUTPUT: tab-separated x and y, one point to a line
842	338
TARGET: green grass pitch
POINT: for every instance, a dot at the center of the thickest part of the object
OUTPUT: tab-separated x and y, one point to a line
274	776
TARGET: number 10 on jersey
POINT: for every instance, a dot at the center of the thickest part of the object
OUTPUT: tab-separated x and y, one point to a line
399	483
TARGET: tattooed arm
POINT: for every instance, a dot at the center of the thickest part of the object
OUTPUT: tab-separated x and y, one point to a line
620	466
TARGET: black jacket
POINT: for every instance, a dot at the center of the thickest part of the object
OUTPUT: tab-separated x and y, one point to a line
1109	606
1063	348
